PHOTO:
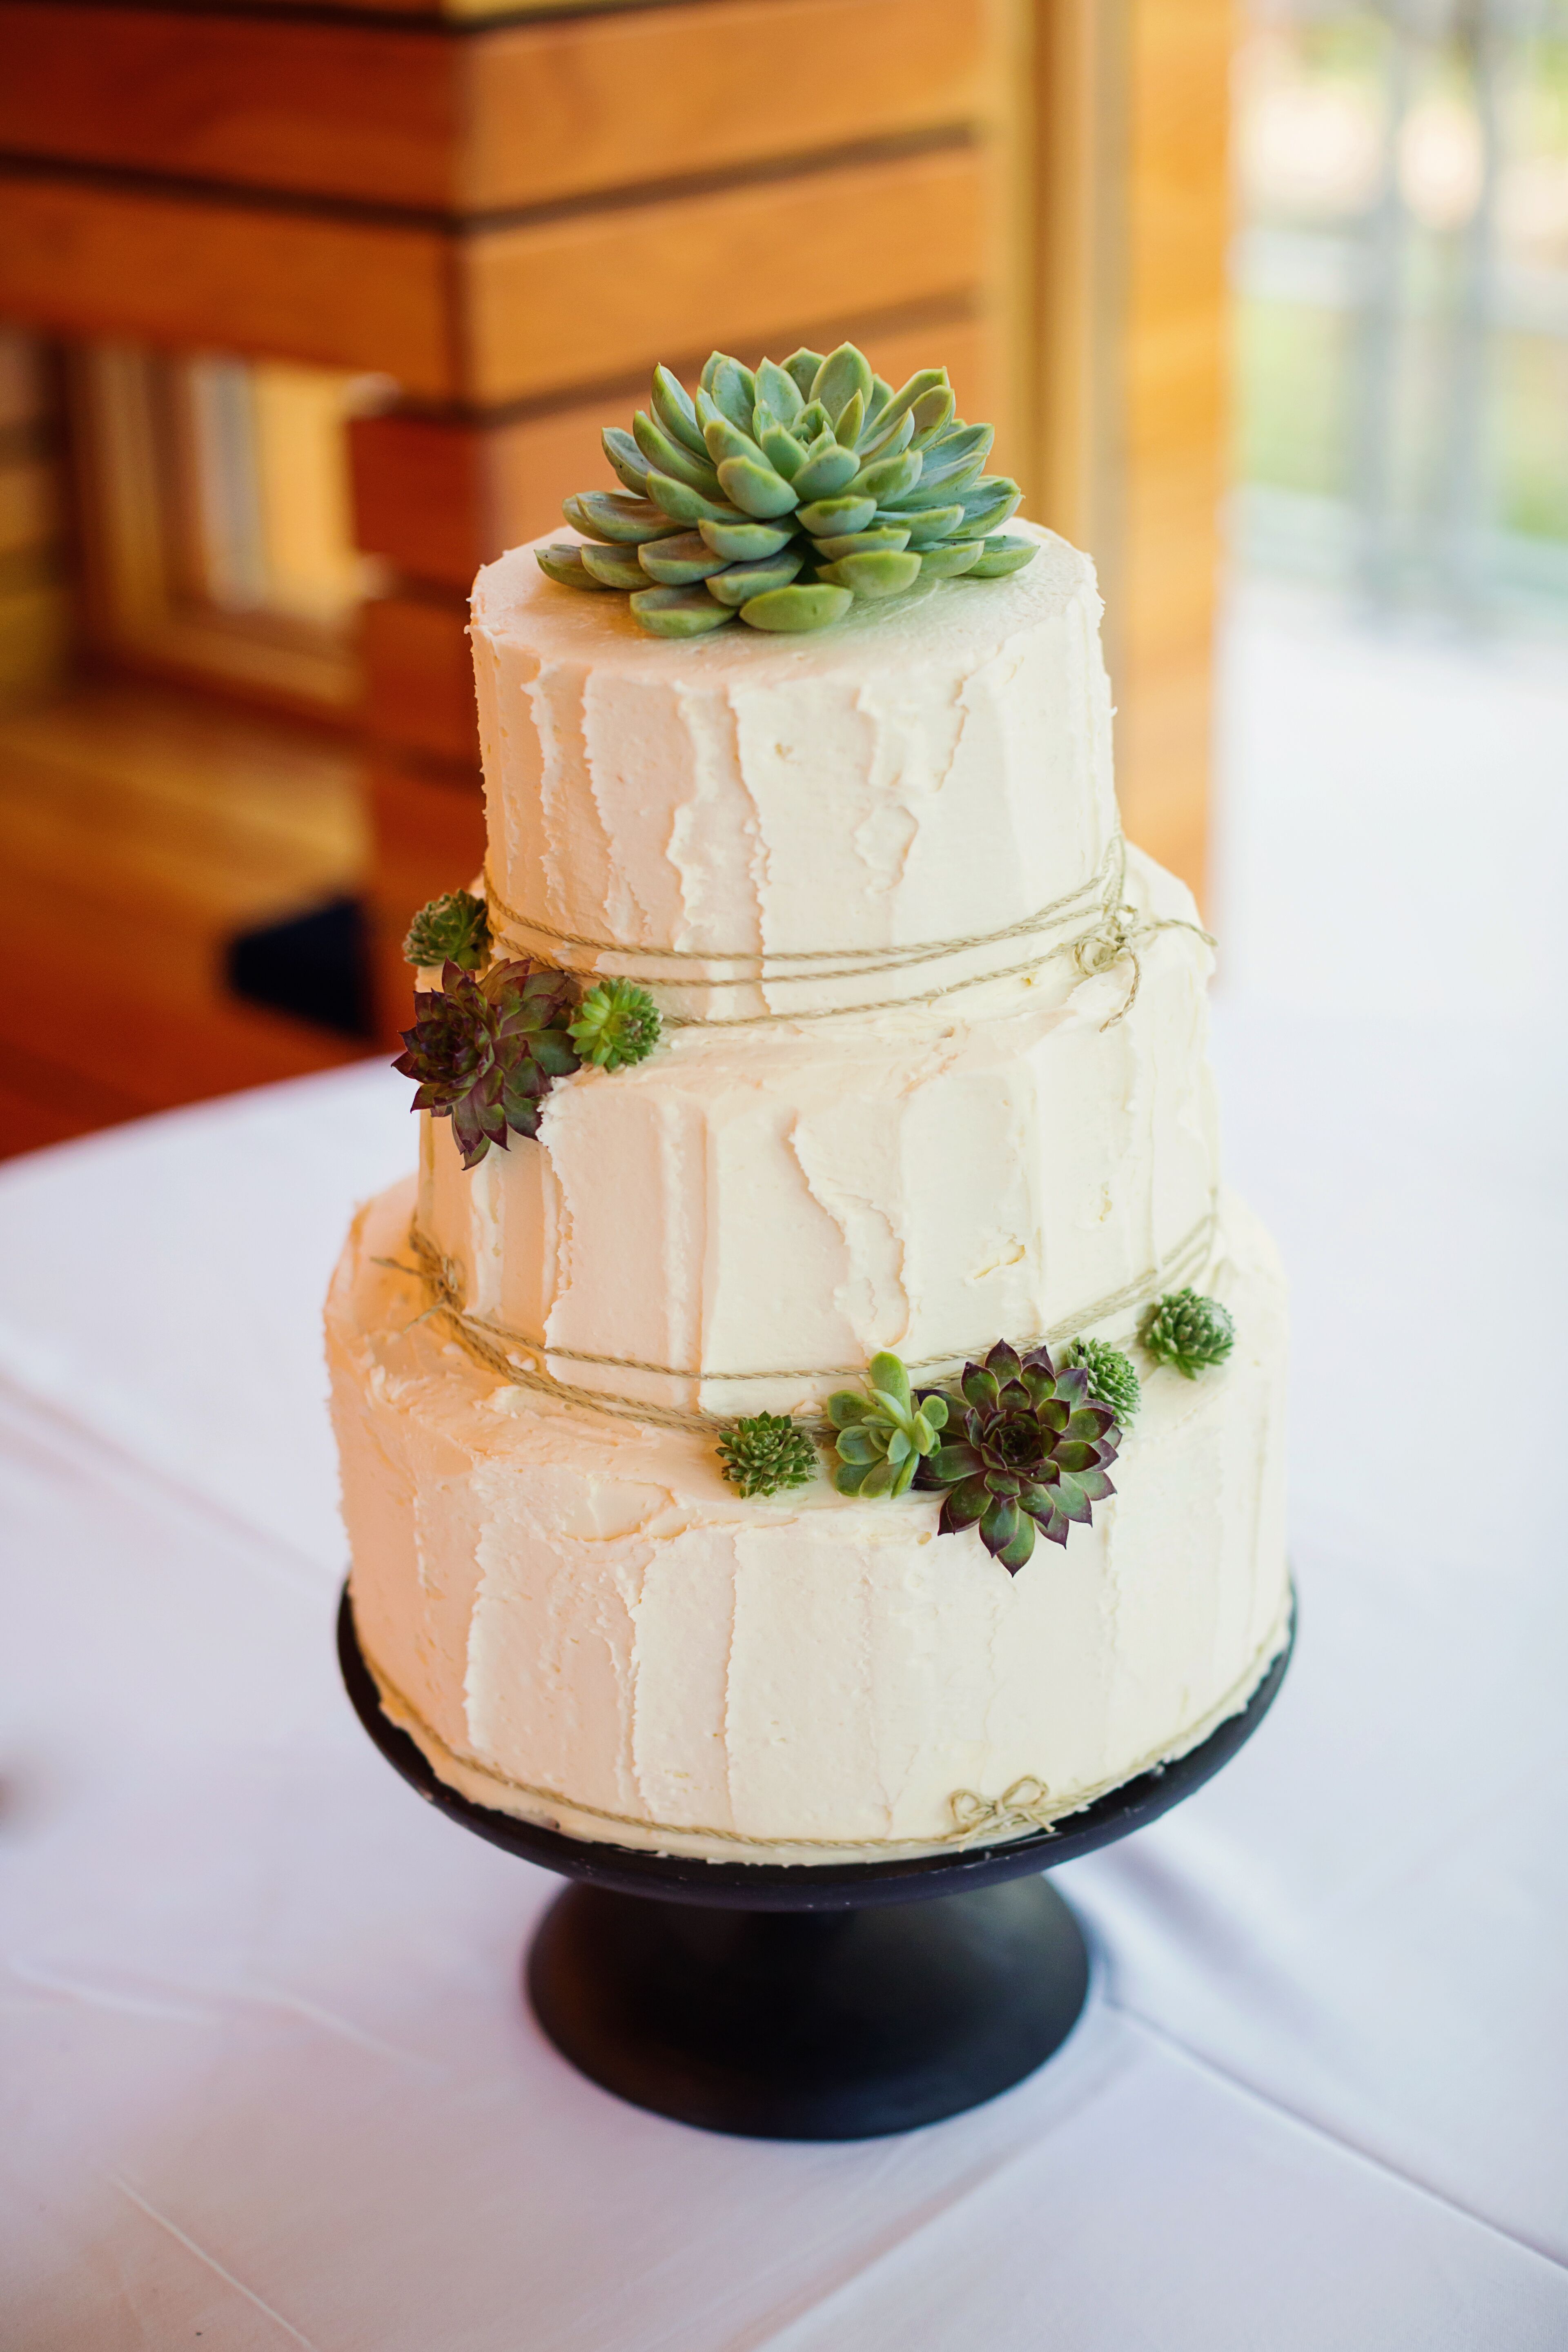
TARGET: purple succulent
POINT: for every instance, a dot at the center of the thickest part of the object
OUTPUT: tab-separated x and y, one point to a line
1028	1454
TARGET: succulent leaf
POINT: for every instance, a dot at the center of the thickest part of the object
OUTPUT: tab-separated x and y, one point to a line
825	471
796	608
672	406
741	582
842	375
679	612
563	564
682	504
668	456
778	392
1000	556
746	542
882	573
765	1453
676	561
616	567
951	559
612	517
752	485
626	458
803	368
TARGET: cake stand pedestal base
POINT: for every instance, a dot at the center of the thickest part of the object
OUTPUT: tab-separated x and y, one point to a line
817	2001
817	2026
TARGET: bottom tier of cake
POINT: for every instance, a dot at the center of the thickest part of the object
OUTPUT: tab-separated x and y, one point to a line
581	1623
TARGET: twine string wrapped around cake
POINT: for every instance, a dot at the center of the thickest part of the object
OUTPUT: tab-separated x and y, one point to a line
1109	930
497	1349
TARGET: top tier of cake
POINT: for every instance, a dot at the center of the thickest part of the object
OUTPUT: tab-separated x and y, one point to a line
931	770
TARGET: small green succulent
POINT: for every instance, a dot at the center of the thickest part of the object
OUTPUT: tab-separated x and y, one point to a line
1112	1378
615	1025
778	497
1187	1331
453	929
766	1451
884	1431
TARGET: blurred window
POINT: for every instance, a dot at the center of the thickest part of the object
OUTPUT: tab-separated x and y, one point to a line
1402	274
216	516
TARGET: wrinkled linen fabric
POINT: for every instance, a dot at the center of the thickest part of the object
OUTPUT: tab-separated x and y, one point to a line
270	2080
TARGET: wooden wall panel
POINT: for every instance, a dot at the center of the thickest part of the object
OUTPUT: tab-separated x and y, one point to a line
520	115
336	109
1173	367
727	85
723	267
439	496
678	274
419	675
428	822
88	259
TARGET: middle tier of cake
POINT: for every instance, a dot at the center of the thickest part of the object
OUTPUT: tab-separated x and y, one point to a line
738	1223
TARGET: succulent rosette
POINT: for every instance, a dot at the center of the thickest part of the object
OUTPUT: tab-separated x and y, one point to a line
1033	1456
884	1431
485	1052
779	496
452	929
617	1025
765	1454
1188	1332
1112	1378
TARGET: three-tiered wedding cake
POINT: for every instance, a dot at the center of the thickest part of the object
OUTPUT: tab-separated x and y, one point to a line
933	1074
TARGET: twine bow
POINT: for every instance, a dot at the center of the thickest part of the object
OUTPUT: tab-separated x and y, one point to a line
1026	1805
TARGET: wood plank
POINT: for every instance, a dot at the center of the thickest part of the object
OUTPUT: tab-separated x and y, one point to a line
684	272
669	93
419	675
515	116
1175	371
462	13
344	110
428	822
440	496
86	258
675	275
165	823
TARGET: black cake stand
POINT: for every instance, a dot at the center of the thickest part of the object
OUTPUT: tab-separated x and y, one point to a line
813	2001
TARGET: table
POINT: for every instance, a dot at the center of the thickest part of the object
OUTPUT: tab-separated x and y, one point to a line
270	2080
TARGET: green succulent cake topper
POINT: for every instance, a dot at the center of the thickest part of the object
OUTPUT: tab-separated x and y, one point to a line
766	1451
1187	1331
779	497
884	1431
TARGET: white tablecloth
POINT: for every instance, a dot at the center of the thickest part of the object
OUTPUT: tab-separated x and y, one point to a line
270	2078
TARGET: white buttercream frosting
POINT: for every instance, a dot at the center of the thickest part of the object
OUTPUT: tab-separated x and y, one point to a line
571	1612
580	1622
797	1197
927	770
